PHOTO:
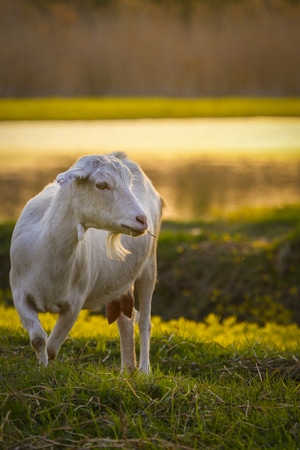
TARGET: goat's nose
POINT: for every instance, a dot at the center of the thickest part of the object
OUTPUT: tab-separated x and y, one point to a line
142	220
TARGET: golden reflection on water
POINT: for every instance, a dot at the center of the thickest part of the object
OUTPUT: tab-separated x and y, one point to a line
224	136
198	166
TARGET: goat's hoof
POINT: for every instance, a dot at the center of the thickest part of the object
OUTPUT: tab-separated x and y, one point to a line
51	354
43	361
39	346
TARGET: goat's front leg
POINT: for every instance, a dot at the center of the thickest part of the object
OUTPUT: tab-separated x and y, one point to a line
30	321
127	342
65	322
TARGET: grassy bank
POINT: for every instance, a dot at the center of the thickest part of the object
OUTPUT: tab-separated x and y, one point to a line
246	265
137	108
200	394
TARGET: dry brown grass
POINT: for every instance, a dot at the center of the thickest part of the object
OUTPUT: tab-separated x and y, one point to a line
148	48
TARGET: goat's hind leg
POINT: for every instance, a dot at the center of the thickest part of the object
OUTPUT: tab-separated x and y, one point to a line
30	321
126	331
145	286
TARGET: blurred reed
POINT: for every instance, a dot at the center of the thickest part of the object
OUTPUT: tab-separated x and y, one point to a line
149	48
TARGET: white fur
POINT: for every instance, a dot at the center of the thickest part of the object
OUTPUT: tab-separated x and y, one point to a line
70	251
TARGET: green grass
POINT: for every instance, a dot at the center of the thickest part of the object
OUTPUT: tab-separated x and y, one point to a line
221	384
137	108
197	396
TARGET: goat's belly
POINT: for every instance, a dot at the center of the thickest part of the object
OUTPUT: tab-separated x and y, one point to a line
96	300
42	304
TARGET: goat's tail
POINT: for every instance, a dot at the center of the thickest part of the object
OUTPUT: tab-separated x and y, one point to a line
114	247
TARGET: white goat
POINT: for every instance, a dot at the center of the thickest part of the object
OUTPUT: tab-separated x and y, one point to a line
69	252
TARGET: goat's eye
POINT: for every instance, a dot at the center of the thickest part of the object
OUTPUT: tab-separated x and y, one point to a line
102	186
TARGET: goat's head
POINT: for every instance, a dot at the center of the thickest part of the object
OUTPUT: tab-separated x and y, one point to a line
101	190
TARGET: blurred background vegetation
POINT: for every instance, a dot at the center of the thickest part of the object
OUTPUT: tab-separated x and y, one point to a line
189	48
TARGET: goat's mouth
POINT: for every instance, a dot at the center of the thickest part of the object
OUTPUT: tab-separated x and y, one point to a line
134	231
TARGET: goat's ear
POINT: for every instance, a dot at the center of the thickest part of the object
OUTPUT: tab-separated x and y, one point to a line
68	177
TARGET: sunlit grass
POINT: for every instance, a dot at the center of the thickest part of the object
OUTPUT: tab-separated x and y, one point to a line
136	108
213	385
212	330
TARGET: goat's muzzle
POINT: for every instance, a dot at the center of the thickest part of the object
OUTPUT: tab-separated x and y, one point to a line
140	227
143	221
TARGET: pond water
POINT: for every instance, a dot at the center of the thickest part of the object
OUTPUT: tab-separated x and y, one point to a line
199	166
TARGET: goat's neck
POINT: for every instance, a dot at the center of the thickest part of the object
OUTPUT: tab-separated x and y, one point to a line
62	227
